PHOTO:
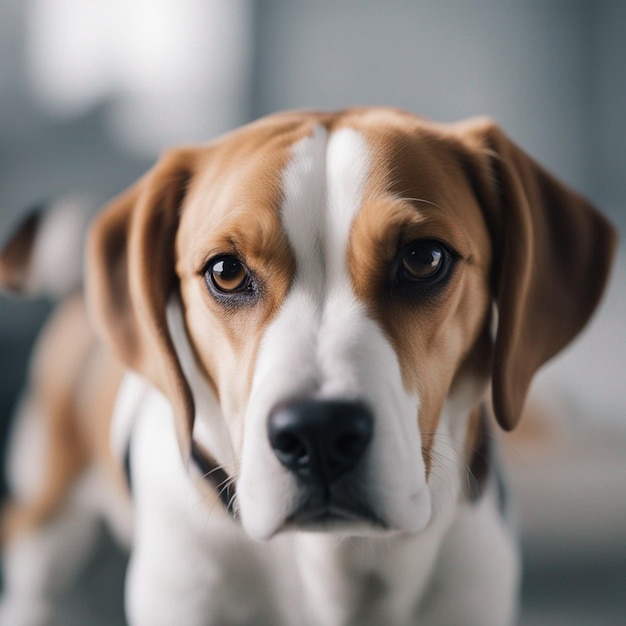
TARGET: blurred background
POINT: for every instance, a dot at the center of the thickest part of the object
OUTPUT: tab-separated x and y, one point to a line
92	91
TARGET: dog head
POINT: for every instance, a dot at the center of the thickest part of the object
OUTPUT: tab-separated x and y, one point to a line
327	283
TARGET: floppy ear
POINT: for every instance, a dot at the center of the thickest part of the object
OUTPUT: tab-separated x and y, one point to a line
552	256
131	276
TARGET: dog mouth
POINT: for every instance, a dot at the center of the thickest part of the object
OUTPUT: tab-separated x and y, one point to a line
332	512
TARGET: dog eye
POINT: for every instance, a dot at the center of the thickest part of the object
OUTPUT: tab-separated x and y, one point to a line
228	275
423	261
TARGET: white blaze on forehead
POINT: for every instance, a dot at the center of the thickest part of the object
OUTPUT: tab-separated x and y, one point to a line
304	183
347	168
343	318
323	186
322	343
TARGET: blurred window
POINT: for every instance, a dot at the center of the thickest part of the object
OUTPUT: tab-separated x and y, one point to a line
170	70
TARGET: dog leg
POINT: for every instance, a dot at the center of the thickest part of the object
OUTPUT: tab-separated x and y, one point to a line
47	527
42	562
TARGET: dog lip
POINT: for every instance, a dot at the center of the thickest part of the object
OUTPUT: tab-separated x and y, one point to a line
323	513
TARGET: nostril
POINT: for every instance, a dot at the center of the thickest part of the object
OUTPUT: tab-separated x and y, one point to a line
351	444
290	448
289	444
352	437
288	439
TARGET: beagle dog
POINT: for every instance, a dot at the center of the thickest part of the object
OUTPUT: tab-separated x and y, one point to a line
278	383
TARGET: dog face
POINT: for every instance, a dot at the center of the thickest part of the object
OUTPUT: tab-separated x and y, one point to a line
336	275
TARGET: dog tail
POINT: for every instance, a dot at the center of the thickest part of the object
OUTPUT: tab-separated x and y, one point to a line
44	254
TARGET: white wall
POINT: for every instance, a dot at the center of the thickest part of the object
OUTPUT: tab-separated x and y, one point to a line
524	63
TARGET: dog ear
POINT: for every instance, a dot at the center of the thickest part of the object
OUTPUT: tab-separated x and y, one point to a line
131	277
552	254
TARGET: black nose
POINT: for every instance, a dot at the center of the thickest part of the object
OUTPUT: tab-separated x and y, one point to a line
320	440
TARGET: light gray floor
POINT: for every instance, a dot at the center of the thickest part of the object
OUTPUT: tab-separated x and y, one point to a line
574	591
97	599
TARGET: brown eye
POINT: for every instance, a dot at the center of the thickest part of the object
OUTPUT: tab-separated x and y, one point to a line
423	260
228	275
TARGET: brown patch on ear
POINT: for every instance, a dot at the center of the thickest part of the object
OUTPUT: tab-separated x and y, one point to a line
131	276
552	256
16	254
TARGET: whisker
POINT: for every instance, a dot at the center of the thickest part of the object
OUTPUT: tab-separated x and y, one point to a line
217	468
225	485
462	461
445	479
231	505
421	200
221	487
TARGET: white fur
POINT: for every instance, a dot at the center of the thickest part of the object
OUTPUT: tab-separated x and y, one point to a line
478	564
130	395
26	451
323	343
192	565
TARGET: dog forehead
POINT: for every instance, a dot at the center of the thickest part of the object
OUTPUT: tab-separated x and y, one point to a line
233	196
378	170
304	176
248	164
